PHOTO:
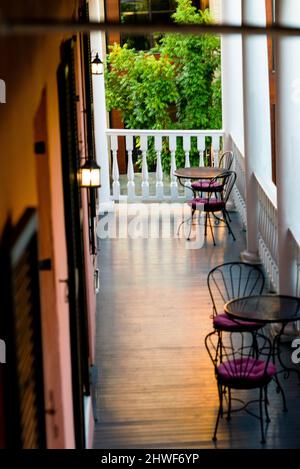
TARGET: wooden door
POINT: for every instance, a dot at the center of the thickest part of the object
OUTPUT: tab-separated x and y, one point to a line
50	330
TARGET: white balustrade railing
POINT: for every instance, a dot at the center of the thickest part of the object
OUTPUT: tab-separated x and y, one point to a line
268	229
267	215
294	242
239	190
294	248
139	182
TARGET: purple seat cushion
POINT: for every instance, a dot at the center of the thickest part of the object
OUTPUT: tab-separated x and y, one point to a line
210	205
223	322
245	372
215	186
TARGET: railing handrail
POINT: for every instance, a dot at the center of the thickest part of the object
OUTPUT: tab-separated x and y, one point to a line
179	133
269	188
295	234
241	154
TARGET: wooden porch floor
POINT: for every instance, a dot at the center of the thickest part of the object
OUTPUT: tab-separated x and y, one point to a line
156	387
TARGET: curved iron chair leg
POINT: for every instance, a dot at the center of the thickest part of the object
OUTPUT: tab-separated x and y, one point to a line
279	387
222	392
229	405
205	225
266	404
229	217
193	213
219	346
261	418
220	412
179	226
228	225
211	230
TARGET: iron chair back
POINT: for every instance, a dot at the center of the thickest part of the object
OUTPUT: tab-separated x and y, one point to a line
229	178
226	160
233	280
225	180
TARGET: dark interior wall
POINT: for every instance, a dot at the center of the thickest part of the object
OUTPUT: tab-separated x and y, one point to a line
27	64
37	9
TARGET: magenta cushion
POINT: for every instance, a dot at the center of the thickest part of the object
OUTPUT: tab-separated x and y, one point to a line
245	372
210	205
223	322
215	186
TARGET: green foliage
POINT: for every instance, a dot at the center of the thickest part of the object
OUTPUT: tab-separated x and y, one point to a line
197	64
142	86
176	85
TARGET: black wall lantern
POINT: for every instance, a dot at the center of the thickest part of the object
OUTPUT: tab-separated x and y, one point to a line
90	174
97	65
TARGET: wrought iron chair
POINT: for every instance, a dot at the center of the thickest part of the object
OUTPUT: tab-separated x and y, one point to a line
225	164
210	204
233	280
241	364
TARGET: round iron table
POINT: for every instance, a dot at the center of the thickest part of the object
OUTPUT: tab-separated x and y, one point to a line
196	173
201	172
269	309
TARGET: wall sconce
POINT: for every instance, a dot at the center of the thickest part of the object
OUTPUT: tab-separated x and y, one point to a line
90	174
97	65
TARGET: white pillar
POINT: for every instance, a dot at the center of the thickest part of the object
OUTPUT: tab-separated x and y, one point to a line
232	76
288	138
98	44
257	125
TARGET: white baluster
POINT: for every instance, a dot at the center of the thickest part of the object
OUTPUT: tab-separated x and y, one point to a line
130	170
201	148
115	168
159	171
173	184
186	149
216	149
145	176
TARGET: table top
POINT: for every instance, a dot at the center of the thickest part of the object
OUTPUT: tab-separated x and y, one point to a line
201	172
266	308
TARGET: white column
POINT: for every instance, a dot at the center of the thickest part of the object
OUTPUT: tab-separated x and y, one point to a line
98	44
232	76
288	139
257	125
